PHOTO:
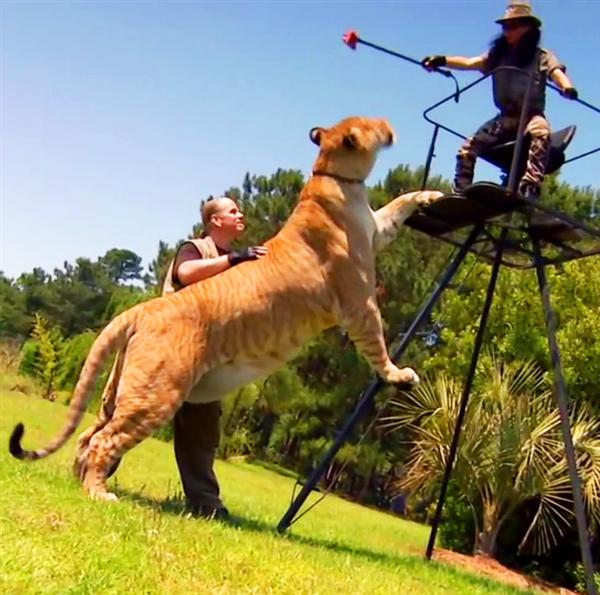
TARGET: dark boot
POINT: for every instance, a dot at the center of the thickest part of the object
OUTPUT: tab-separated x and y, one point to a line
208	512
530	191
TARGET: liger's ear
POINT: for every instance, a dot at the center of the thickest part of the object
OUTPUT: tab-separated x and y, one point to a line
315	135
351	139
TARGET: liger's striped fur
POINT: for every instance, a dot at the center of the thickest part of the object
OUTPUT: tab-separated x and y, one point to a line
211	337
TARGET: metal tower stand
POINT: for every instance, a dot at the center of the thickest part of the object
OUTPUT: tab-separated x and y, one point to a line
500	231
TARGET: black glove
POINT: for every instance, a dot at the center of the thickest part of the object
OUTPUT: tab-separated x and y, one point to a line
238	256
433	61
570	93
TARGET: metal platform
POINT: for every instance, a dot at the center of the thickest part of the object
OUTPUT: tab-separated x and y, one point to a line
496	209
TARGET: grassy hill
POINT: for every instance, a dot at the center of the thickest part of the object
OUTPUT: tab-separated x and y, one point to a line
55	540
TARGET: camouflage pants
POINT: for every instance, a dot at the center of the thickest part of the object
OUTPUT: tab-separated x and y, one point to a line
503	129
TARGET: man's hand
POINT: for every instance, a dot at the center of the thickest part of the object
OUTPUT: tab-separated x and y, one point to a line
432	62
570	93
251	253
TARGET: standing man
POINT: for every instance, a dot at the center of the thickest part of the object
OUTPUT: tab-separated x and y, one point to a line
517	46
196	426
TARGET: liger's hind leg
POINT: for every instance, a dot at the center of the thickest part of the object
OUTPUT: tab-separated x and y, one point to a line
105	414
83	443
137	415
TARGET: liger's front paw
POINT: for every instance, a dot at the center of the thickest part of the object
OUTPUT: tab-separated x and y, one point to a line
405	377
428	197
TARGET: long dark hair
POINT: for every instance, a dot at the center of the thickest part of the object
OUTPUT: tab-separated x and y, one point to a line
526	48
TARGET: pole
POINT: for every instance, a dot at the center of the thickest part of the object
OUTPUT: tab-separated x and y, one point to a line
430	156
514	166
351	38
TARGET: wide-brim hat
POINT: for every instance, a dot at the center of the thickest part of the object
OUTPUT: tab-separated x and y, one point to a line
519	11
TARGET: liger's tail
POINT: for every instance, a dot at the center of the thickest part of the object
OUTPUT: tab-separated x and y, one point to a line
113	336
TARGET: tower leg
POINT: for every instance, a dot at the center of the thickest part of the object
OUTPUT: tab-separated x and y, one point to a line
560	394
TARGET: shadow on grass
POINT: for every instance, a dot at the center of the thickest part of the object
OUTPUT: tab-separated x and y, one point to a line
176	506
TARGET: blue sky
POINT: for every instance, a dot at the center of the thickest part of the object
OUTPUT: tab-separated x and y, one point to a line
118	118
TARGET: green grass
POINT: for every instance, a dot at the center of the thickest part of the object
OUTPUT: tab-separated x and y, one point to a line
55	540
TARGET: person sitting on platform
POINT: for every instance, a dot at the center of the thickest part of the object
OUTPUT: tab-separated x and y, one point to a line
517	46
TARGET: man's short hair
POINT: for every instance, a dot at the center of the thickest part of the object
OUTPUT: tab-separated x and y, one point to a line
209	207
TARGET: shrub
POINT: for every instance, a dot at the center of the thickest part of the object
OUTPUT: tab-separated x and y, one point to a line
72	358
457	530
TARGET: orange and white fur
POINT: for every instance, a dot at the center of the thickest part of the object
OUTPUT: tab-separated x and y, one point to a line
219	334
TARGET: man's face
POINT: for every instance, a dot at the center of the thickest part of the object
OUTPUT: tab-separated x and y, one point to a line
229	218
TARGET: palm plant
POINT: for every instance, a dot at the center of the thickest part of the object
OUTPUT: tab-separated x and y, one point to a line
511	450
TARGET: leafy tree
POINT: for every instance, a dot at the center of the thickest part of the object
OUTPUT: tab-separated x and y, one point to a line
72	357
124	297
516	326
578	202
48	341
159	266
34	290
511	451
402	179
268	201
14	319
122	265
